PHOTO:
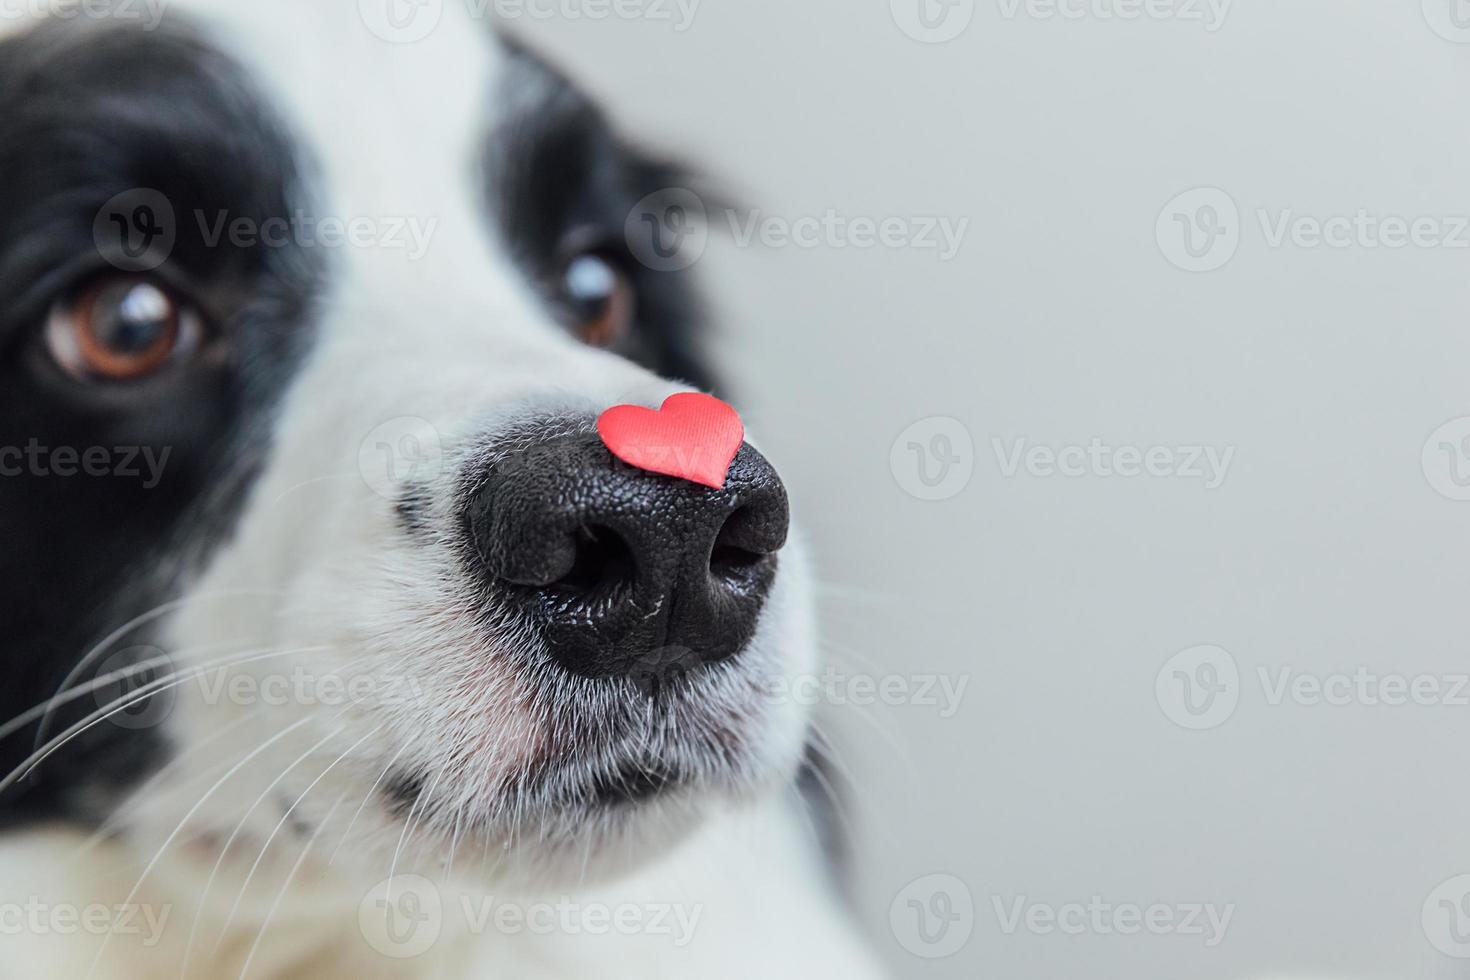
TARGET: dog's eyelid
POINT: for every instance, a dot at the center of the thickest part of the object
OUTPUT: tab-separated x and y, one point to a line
589	239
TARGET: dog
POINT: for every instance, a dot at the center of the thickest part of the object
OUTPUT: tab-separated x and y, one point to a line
339	643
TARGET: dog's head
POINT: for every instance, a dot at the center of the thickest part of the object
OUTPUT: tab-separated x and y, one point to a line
306	329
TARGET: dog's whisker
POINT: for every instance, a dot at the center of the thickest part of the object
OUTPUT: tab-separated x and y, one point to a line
286	885
168	607
183	821
106	828
61	699
827	588
225	849
367	797
314	480
408	824
825	744
230	841
835	800
113	708
454	842
825	747
285	817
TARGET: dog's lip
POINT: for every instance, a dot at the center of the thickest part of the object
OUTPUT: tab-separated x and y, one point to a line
633	782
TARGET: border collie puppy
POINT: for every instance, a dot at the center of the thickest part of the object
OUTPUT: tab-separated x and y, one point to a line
337	643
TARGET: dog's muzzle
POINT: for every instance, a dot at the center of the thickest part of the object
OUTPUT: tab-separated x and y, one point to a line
625	573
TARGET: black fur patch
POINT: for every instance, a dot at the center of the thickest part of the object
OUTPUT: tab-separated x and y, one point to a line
93	111
559	175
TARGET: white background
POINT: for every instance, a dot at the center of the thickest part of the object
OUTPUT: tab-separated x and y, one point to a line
1061	320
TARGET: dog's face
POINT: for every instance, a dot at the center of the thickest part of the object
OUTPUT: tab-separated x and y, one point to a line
362	475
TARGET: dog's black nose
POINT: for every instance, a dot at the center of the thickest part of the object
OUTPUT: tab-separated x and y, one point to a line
625	572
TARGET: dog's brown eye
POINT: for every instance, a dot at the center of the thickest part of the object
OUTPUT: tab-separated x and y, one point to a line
601	299
119	329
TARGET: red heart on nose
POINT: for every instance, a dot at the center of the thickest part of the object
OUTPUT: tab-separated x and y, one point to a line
692	436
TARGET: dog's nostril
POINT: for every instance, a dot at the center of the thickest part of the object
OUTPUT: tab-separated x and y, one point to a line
603	560
732	562
739	547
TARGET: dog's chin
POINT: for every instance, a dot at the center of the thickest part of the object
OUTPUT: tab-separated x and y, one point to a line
590	811
624	822
606	841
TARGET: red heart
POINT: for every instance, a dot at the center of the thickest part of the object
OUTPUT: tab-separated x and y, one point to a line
692	436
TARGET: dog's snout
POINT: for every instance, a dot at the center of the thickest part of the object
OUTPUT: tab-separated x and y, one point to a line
626	572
